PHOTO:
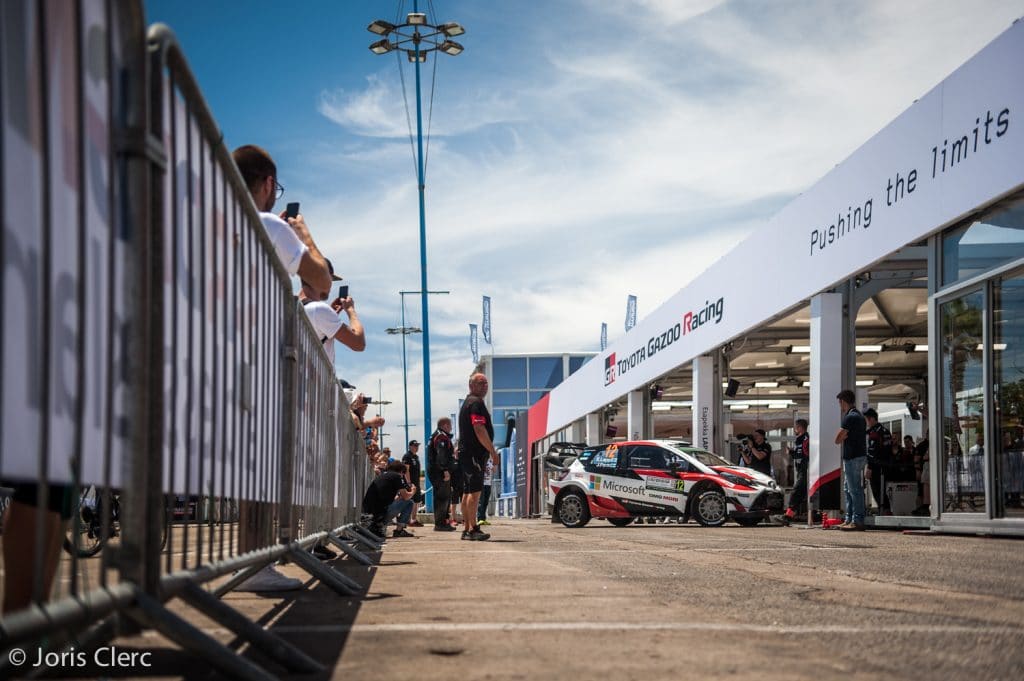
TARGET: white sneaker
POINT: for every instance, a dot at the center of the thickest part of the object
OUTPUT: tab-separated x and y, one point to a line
269	579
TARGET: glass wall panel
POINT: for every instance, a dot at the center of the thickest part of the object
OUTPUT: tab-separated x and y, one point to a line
509	372
963	410
510	398
545	372
536	395
1008	390
995	239
575	363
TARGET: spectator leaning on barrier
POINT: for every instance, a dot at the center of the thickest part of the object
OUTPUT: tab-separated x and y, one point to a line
440	466
800	453
390	496
879	453
292	241
412	460
852	436
326	318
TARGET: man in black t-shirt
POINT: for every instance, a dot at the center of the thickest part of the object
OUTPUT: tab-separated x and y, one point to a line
412	460
852	436
758	453
390	496
476	443
879	453
800	453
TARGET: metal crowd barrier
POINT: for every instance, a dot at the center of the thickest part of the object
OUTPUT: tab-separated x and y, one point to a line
154	358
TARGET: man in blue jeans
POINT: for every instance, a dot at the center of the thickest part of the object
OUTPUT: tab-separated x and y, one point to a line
390	496
852	436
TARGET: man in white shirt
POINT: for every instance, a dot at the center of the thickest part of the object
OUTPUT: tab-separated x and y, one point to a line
291	238
327	321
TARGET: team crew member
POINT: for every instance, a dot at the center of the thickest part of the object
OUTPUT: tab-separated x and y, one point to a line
412	460
800	453
758	453
879	456
852	436
476	433
440	466
390	496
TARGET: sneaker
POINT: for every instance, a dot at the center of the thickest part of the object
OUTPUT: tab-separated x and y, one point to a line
444	528
476	534
485	521
790	514
465	535
269	579
402	533
852	527
415	523
323	553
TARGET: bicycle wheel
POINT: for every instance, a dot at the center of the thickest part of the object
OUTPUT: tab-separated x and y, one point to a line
85	535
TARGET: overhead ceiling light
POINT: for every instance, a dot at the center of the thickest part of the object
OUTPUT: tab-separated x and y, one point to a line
381	46
922	308
920	348
416	18
739	407
380	27
451	29
802	320
799	349
806	384
995	346
451	47
771	364
725	384
867	317
778	405
412	56
865	364
766	384
865	383
869	348
776	392
661	407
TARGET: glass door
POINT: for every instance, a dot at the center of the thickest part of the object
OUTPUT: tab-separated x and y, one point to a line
961	465
1008	391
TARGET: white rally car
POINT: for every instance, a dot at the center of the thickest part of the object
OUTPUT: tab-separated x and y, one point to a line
626	480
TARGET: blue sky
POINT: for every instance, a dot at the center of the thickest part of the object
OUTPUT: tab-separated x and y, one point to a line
581	150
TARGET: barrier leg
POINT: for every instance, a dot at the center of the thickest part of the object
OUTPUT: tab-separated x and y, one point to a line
348	549
261	639
233	583
365	537
326	574
151	613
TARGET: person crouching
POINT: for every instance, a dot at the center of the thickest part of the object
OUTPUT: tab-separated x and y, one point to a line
390	496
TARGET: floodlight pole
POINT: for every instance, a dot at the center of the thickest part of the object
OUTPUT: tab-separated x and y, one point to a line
424	290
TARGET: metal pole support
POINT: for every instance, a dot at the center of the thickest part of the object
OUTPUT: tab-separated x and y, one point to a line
262	640
328	575
365	537
349	550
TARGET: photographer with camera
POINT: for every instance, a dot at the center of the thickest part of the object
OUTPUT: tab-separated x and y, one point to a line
757	453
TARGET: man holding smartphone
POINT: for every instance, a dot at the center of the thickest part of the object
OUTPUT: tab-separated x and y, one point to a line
327	321
291	238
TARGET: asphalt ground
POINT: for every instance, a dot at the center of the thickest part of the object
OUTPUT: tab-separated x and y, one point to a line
539	601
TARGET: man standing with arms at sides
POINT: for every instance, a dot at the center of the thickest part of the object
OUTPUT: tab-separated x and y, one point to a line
879	453
412	460
800	452
476	441
440	466
852	436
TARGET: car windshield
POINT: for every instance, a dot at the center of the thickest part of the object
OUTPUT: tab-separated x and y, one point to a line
706	458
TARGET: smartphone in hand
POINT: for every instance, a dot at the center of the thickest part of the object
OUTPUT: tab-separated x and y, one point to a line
343	291
292	210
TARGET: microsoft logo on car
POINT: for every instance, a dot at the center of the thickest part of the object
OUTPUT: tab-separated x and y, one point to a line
595	482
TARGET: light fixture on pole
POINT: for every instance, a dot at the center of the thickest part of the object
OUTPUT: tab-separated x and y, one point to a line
423	37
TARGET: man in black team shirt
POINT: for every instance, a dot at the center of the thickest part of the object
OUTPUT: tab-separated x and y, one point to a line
800	453
758	453
441	465
879	456
476	435
852	436
389	496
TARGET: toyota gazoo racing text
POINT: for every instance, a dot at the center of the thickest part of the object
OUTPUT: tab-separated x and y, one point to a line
626	480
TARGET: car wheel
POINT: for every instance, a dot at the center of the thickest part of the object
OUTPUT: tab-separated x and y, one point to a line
749	522
709	508
620	522
572	510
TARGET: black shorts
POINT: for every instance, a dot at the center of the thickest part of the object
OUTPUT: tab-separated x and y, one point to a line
473	477
58	497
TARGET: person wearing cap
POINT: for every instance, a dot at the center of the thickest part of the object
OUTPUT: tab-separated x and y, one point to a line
759	455
412	460
326	319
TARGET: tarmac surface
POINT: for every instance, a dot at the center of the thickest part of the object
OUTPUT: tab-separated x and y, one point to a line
539	601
